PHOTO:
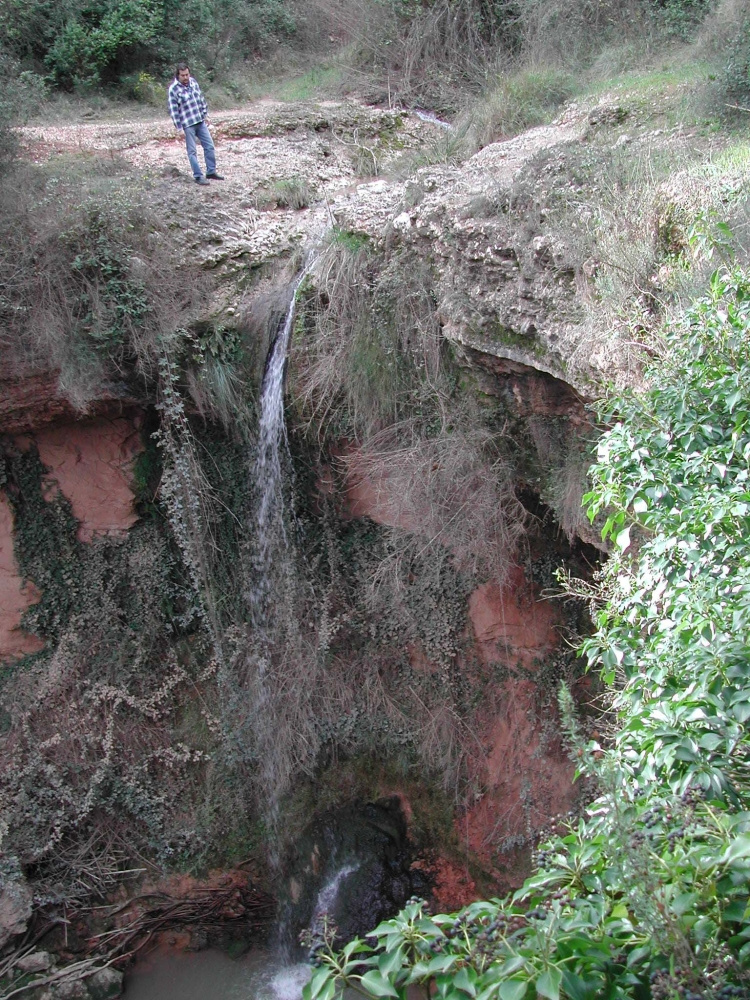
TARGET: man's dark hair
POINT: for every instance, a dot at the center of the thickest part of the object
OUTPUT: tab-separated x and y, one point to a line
181	65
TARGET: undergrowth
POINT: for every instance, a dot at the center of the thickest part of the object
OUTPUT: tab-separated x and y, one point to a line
645	894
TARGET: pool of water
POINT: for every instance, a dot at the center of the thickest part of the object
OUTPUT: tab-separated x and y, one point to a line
213	975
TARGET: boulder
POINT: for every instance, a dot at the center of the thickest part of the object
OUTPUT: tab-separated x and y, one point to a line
36	961
15	908
75	990
105	984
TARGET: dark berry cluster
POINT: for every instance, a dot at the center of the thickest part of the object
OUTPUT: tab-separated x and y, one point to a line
485	937
542	859
418	899
666	986
731	992
318	938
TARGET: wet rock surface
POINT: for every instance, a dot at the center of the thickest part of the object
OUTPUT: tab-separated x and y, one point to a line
352	867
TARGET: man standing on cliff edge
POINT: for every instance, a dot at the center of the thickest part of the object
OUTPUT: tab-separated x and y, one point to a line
189	112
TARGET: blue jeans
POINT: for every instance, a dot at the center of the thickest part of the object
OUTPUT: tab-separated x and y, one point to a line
200	132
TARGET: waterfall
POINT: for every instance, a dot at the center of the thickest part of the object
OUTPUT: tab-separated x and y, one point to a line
288	982
254	698
272	438
326	901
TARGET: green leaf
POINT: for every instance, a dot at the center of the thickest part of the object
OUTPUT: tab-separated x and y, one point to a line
548	984
318	981
355	947
579	989
684	902
462	981
638	955
738	848
417	973
386	927
441	963
741	711
512	964
376	985
622	539
329	990
736	911
513	989
390	962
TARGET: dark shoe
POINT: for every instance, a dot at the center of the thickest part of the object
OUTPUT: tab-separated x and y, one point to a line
215	177
201	180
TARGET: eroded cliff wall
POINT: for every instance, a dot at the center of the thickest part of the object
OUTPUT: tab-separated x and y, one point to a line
438	432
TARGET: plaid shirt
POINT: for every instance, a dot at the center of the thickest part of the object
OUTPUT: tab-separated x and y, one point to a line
187	105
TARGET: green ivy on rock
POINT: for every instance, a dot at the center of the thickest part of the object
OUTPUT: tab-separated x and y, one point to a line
46	547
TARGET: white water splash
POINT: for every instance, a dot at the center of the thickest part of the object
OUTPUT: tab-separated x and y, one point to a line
329	892
288	982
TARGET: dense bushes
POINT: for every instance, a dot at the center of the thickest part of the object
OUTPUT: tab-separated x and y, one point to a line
100	41
737	69
647	895
437	53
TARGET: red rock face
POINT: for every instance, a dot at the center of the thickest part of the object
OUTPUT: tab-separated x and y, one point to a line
31	401
523	773
369	495
527	777
91	463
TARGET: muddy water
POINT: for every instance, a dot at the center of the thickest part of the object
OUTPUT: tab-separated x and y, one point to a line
213	975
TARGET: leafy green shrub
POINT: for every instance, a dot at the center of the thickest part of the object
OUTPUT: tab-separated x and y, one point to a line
680	18
144	88
288	192
647	895
92	42
736	76
96	47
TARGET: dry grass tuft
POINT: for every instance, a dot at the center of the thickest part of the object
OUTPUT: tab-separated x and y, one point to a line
90	284
367	348
453	491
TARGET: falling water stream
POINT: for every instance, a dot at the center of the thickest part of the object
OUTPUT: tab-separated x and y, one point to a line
269	522
261	974
264	973
347	867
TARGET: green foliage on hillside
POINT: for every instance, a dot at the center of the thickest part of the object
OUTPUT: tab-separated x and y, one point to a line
647	894
420	51
91	42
